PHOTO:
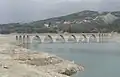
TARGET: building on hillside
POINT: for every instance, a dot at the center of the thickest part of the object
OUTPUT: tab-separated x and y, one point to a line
67	22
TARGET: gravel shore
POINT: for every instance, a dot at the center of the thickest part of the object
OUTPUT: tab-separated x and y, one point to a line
20	62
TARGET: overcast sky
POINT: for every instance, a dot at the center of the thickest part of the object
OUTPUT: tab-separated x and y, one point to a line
32	10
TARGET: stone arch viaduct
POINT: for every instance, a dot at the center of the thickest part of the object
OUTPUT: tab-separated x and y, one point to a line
71	37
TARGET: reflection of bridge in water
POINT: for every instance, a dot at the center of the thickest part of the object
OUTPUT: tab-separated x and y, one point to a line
51	38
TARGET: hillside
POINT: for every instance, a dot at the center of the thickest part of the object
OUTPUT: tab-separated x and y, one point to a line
84	21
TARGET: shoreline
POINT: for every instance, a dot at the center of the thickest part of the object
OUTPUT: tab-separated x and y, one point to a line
26	63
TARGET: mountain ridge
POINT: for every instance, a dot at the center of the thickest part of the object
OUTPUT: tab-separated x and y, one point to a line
84	21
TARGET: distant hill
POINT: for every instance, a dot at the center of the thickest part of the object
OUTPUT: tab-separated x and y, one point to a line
84	21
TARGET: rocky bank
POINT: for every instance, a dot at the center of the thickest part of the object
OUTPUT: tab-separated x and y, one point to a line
20	62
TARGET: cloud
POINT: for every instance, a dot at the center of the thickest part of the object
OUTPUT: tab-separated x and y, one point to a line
32	10
109	5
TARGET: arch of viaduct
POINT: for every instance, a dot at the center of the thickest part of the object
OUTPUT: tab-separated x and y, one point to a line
50	38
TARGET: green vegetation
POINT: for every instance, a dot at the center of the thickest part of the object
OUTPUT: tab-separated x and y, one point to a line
85	21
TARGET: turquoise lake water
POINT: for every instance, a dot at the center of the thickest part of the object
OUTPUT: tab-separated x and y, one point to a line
99	59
